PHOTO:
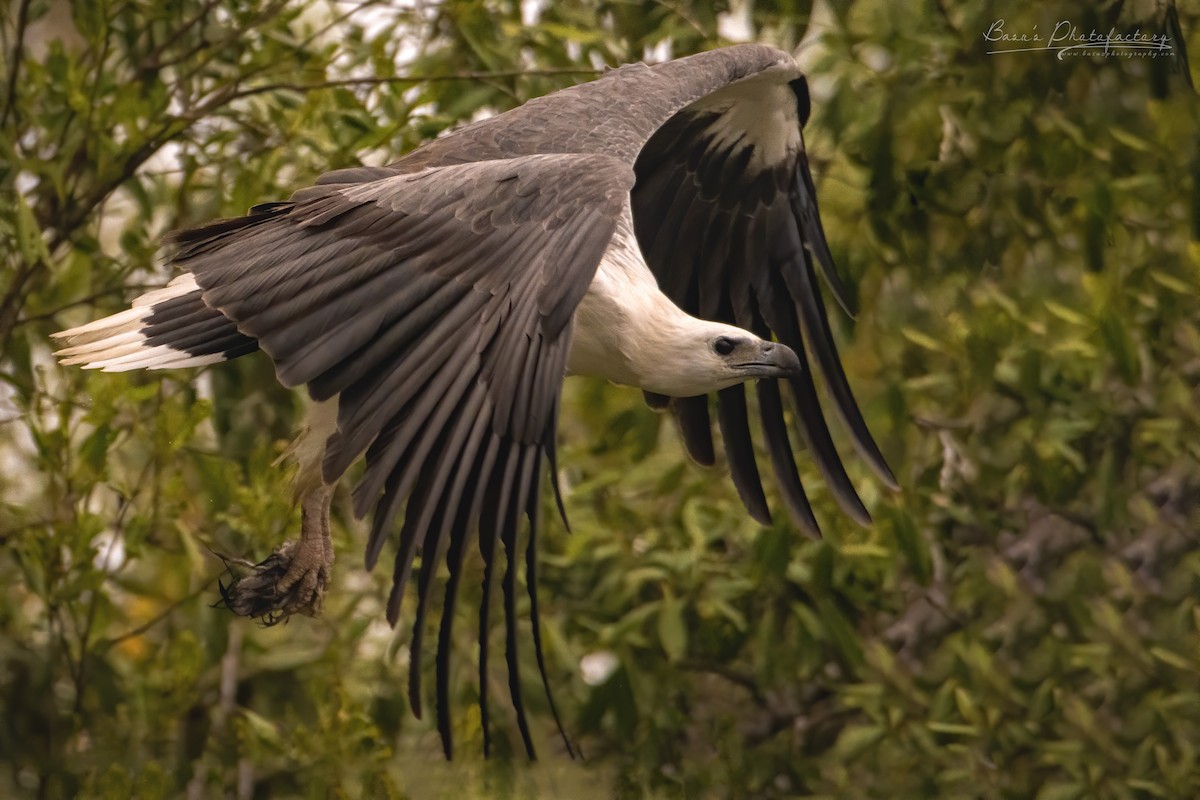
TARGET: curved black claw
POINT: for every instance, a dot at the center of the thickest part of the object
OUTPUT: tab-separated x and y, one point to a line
292	580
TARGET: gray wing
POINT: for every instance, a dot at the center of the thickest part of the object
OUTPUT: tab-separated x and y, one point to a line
436	307
725	212
613	115
726	215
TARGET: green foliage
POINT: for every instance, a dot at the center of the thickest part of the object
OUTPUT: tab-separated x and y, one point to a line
1021	234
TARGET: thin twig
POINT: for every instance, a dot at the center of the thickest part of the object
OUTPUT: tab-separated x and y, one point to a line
227	685
93	102
175	126
154	60
83	301
162	615
413	79
85	635
14	64
234	37
9	303
335	22
686	17
730	674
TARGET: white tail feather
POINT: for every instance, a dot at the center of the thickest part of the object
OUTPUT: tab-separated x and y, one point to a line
117	343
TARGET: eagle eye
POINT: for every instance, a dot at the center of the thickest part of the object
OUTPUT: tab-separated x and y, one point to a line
723	345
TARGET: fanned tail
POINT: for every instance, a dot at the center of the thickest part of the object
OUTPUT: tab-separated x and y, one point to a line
164	329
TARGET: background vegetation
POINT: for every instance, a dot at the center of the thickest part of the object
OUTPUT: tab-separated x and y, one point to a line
1023	235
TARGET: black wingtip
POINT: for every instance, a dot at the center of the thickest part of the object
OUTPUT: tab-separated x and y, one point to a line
804	206
695	427
375	542
445	629
779	449
816	434
417	643
781	315
801	281
868	450
486	550
733	419
860	514
510	654
552	459
803	100
508	539
395	598
531	512
658	402
885	474
761	515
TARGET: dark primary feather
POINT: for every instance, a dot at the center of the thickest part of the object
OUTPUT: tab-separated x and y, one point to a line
735	244
436	305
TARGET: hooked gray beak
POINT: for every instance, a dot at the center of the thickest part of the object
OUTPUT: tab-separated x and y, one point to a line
774	360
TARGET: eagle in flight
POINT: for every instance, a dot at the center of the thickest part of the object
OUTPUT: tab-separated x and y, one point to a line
657	227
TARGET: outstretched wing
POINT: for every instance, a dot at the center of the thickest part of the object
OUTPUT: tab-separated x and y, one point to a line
613	115
725	212
436	307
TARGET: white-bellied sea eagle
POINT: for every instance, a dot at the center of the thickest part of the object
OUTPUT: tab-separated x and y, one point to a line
657	227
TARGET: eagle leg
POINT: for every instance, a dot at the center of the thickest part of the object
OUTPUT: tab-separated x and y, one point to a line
293	579
311	566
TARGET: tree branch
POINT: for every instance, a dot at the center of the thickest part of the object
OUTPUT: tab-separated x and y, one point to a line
175	126
154	61
413	79
14	67
83	301
730	674
157	618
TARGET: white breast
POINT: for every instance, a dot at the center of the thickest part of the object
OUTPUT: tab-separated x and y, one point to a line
622	295
628	331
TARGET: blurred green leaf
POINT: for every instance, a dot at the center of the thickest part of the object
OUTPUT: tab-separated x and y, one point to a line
671	629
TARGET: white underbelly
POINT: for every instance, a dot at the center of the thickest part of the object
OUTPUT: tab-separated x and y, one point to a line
627	331
601	326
